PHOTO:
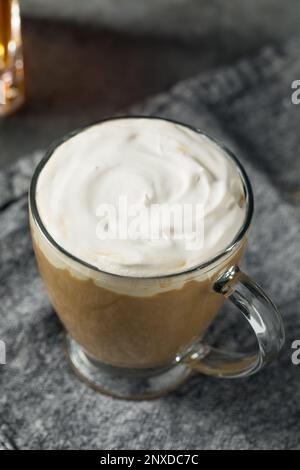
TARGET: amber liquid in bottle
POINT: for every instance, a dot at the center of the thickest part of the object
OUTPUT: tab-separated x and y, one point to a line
11	58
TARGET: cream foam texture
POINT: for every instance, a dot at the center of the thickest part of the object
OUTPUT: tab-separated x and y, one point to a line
150	161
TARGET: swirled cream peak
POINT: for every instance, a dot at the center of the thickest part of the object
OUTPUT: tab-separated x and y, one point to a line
146	163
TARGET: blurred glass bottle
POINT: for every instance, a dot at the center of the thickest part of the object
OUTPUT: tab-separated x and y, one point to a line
11	58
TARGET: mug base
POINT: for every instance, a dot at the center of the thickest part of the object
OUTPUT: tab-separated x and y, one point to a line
118	382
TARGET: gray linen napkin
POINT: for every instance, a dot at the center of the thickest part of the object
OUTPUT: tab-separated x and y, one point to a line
44	405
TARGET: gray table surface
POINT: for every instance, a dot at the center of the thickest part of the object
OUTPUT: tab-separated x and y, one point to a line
86	60
77	75
231	22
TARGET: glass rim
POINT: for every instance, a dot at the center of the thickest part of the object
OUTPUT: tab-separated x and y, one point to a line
211	261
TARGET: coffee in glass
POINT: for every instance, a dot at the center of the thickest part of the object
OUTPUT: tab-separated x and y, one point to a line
136	306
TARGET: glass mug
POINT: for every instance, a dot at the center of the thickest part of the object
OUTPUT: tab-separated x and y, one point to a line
133	337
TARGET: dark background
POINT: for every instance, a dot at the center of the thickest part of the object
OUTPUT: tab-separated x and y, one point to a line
88	59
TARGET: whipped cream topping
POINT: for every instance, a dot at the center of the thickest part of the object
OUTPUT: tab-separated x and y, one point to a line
150	162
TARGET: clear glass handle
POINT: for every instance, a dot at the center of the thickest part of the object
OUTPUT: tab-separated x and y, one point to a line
264	319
